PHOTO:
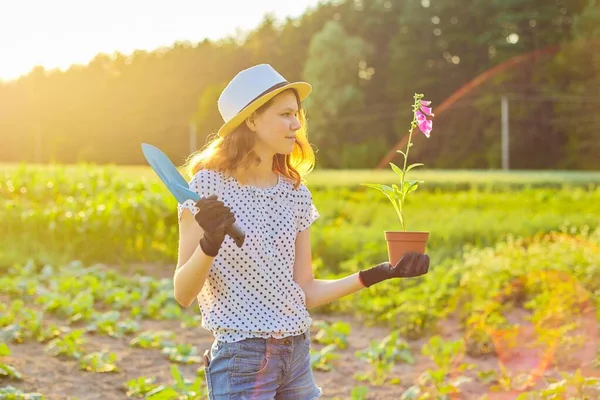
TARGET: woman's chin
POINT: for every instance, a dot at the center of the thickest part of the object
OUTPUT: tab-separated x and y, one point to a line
286	150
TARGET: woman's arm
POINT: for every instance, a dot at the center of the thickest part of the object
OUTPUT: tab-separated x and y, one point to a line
318	291
193	264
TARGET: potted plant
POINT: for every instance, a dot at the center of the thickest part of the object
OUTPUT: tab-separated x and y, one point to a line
400	242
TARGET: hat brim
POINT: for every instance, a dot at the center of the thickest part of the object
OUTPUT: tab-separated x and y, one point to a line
302	88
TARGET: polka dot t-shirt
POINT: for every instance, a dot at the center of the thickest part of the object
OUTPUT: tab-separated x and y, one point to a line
250	291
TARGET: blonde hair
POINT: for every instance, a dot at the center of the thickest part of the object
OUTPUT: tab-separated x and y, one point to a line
236	150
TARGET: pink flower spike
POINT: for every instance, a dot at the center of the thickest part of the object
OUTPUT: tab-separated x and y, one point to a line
427	110
425	102
420	117
426	127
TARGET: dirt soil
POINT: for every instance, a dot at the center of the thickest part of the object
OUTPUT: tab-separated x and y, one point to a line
60	378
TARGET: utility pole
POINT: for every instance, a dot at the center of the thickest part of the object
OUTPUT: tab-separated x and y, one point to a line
505	133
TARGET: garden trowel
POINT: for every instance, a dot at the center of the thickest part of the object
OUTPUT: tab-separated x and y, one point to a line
177	185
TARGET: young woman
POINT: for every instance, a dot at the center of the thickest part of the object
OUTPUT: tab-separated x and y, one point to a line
254	297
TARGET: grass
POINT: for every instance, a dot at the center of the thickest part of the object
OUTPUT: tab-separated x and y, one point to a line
70	207
434	179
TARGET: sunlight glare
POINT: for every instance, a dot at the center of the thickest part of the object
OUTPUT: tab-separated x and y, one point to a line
59	33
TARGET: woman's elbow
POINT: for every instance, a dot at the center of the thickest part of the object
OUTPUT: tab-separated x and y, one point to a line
185	303
183	299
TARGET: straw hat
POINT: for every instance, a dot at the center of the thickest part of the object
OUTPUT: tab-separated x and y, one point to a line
250	89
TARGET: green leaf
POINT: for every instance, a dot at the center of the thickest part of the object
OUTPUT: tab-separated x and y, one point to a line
397	170
179	382
413	166
388	191
410	186
10	371
374	186
401	152
162	392
411	393
406	357
486	377
359	392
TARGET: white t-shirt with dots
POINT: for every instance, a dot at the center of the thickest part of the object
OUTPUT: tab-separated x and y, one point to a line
250	291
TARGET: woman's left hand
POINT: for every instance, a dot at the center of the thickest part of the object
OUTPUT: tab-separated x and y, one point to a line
411	264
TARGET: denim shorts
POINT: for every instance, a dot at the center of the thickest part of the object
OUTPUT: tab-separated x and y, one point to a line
261	369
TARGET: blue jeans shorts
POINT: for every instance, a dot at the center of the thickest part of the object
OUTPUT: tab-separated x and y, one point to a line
261	369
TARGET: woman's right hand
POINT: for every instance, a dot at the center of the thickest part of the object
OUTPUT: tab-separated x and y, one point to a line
214	218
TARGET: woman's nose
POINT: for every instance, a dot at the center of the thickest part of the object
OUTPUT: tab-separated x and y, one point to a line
295	124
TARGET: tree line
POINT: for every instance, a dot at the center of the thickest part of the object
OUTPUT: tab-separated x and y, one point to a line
365	59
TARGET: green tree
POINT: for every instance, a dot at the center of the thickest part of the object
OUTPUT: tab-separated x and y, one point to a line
207	117
440	46
576	76
336	105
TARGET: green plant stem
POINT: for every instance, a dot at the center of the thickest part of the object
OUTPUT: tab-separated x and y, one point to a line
402	180
412	128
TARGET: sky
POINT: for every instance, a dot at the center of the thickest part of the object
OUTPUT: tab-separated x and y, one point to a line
58	33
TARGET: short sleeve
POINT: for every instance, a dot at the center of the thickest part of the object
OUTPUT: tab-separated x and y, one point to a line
306	211
205	183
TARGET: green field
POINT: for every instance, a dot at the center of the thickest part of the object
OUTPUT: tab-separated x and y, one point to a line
131	213
508	250
434	179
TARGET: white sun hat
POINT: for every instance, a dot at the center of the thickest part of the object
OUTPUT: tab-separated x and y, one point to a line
250	89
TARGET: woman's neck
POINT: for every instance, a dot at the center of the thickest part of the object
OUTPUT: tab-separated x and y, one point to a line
261	176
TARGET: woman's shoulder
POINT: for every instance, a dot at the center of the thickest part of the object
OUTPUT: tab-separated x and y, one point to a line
297	190
206	173
206	180
292	183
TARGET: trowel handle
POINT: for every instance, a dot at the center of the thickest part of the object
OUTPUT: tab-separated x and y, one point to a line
237	234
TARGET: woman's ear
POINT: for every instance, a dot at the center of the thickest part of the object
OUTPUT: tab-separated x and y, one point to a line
250	123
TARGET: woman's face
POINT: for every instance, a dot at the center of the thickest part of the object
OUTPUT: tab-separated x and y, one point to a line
276	127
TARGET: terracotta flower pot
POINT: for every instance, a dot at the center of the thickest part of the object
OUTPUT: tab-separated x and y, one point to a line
401	242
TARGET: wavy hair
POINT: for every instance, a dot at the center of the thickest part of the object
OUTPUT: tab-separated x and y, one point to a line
235	150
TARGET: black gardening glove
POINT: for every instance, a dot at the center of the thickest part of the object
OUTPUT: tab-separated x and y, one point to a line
214	218
410	265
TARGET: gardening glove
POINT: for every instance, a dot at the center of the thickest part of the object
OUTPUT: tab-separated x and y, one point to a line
410	265
214	218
